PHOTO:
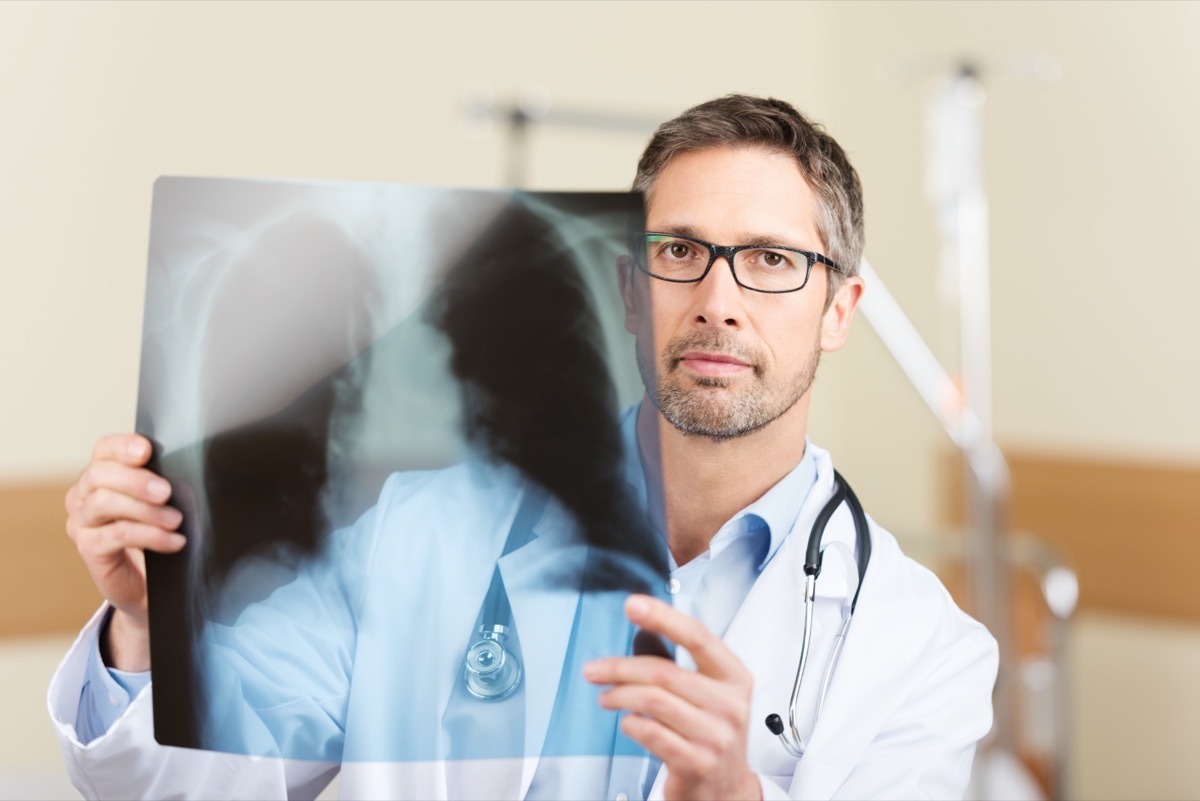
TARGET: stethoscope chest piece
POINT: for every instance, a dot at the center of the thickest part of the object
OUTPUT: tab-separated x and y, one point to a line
490	671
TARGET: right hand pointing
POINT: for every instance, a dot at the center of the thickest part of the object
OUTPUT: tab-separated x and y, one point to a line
116	509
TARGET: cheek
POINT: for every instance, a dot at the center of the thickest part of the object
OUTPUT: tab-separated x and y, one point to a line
658	313
792	345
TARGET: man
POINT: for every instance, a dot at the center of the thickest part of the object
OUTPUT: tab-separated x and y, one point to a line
749	272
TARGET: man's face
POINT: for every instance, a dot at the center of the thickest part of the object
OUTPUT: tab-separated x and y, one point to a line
718	360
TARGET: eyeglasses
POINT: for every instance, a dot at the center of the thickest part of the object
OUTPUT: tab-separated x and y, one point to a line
760	268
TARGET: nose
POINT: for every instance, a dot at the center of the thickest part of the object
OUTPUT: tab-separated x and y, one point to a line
718	298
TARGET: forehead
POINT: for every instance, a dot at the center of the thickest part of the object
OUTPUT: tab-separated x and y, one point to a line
730	193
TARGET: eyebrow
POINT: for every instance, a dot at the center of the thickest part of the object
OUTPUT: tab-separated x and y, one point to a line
743	238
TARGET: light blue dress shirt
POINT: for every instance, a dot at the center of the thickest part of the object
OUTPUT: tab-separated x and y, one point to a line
711	587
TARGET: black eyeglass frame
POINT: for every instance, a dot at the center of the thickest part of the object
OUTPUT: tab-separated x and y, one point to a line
728	252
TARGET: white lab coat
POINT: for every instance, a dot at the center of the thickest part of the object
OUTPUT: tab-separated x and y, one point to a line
910	698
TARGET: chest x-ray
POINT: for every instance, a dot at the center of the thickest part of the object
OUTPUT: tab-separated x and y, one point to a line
392	418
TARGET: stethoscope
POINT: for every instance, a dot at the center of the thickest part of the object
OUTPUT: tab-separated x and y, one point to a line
492	670
792	742
491	667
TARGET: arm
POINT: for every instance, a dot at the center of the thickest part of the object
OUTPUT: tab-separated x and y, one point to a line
124	761
106	691
110	751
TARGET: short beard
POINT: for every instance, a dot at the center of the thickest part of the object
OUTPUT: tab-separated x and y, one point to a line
703	409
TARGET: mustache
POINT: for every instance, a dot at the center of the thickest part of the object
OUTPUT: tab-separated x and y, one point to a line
711	342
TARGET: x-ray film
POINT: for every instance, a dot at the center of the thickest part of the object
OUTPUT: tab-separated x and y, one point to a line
398	421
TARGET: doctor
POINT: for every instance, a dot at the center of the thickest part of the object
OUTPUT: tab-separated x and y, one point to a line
728	360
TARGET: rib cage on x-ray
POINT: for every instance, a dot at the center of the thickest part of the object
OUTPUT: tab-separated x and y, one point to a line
303	341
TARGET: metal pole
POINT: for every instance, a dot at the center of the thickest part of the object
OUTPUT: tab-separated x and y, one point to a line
956	188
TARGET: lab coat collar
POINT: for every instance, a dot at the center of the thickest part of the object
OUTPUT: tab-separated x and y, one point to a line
779	506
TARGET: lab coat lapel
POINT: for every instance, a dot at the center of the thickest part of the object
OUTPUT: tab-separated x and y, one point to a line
543	610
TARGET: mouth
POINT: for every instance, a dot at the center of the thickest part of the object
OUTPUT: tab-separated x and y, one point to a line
713	365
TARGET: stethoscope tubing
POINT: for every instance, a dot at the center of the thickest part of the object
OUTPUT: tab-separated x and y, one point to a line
791	740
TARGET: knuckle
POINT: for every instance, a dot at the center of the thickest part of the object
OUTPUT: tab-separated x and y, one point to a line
724	739
98	498
701	643
661	673
84	544
89	507
103	445
656	702
703	763
740	711
120	531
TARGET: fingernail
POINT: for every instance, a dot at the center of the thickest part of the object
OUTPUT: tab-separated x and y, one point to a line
636	607
174	516
137	447
177	540
159	488
591	670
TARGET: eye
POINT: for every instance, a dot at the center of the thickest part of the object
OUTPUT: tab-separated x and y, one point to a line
679	250
772	259
675	250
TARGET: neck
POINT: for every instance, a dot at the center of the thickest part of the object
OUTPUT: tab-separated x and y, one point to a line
705	482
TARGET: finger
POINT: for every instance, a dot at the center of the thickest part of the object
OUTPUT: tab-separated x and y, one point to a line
697	689
130	449
680	756
711	654
137	482
665	707
105	506
117	536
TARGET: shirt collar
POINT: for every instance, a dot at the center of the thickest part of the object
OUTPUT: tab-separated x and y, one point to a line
777	509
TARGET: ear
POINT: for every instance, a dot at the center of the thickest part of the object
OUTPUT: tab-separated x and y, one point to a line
835	324
626	277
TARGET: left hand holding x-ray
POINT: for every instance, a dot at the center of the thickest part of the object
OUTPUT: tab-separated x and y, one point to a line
696	722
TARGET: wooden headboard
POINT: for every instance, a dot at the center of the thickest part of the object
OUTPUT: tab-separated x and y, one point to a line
1130	530
44	586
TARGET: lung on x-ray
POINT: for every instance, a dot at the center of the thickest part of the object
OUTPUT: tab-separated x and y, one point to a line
392	416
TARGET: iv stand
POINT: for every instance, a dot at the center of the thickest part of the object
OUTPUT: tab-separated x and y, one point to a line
954	183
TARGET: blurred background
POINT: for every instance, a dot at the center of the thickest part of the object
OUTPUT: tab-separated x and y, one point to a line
1089	156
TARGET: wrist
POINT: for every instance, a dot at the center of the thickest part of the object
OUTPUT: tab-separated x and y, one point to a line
125	642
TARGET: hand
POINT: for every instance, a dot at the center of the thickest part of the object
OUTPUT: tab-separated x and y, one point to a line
114	510
696	722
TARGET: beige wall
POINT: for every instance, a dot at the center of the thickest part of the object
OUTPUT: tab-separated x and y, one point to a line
1092	187
98	100
1093	195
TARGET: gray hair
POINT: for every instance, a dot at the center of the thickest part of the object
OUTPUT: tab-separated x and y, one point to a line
742	120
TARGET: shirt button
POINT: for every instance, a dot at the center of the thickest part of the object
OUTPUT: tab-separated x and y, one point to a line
625	796
672	587
112	699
